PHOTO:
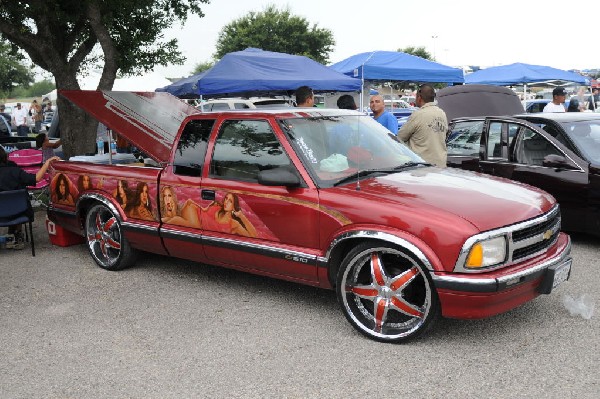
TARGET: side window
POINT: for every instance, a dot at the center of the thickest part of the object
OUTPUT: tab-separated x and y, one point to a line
240	106
244	148
464	138
191	149
219	106
532	147
494	141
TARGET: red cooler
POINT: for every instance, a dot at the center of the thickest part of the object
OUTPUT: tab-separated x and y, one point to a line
61	237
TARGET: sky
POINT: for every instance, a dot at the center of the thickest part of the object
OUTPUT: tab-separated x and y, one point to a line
457	33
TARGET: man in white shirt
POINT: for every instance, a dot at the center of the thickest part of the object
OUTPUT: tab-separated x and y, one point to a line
20	118
559	96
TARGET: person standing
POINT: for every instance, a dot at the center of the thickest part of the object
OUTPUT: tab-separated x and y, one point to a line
35	110
594	100
426	128
385	118
20	119
305	97
559	96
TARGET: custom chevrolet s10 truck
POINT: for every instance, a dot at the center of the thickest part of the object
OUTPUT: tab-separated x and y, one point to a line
317	196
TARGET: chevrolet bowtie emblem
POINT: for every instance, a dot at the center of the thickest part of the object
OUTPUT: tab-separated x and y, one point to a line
547	234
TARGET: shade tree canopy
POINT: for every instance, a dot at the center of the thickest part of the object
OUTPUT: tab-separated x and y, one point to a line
278	31
67	37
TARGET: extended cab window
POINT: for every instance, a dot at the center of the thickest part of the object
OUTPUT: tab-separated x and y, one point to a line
191	149
244	148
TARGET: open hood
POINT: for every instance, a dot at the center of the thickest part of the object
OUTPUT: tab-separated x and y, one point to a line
149	120
478	100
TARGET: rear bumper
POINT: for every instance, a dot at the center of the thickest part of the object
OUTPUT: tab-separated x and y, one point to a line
484	295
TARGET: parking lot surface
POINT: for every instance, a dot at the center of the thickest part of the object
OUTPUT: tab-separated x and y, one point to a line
169	328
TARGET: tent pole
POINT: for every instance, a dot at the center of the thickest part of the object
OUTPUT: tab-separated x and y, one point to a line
525	96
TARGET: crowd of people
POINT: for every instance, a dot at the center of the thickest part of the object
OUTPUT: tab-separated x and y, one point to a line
424	132
24	119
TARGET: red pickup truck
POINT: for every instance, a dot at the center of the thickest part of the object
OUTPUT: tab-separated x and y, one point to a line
317	196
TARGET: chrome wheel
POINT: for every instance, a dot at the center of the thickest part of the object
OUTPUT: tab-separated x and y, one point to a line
106	243
385	294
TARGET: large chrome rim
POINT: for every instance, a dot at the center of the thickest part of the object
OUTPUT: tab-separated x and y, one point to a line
103	233
386	293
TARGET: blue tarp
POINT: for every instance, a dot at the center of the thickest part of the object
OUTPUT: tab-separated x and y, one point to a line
397	66
519	73
258	72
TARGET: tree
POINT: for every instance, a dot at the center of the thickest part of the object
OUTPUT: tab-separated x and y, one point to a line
203	66
68	37
275	30
418	51
13	72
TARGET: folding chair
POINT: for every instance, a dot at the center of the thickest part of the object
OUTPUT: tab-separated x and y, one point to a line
15	210
30	160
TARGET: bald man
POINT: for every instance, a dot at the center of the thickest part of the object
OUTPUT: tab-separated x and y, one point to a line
385	118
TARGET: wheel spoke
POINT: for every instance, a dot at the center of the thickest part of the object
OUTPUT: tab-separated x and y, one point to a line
109	223
364	291
404	307
402	280
380	314
377	272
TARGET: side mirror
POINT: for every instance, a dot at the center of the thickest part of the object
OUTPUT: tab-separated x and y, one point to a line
556	161
278	177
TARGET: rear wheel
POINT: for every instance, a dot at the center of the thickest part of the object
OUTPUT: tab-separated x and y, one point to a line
385	294
106	243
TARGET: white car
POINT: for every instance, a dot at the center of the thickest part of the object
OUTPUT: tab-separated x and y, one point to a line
225	104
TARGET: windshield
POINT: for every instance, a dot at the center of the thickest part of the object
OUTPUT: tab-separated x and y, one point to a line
586	137
335	147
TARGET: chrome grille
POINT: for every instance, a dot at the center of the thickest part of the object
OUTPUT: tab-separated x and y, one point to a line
524	240
536	237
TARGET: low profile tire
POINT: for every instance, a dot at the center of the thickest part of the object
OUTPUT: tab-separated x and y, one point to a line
385	294
106	243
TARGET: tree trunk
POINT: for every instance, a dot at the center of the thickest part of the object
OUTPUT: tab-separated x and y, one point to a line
77	128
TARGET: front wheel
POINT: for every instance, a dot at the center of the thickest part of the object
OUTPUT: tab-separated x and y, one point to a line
106	243
385	294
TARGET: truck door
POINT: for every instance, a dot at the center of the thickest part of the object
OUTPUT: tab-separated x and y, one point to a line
179	189
270	229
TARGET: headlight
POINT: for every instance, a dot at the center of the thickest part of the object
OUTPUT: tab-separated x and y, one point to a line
487	253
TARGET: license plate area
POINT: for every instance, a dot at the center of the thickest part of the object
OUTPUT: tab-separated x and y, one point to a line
554	276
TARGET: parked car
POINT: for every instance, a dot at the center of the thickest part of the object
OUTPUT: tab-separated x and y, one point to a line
411	100
223	104
557	152
324	197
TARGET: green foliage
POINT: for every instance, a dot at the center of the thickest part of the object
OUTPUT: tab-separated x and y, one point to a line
276	30
203	66
13	71
418	51
67	37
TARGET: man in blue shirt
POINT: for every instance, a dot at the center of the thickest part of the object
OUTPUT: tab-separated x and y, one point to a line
385	118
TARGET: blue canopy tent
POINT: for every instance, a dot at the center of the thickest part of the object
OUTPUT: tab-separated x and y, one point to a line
258	72
396	66
519	73
524	74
